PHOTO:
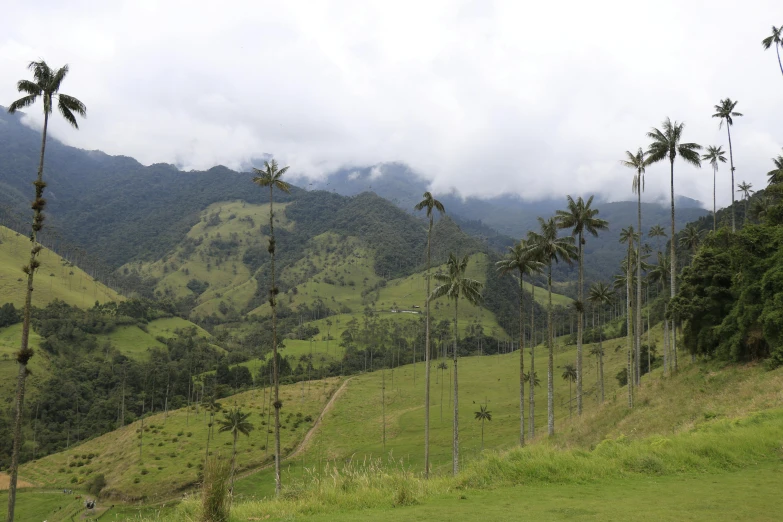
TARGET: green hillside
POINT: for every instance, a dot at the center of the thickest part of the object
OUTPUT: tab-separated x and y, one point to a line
173	446
55	279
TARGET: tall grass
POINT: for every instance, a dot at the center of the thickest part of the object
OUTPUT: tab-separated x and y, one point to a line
215	495
720	445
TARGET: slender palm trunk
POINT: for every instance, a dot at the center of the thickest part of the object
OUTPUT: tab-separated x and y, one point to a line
24	354
550	391
427	364
233	460
731	163
714	208
639	290
521	367
601	356
275	372
629	323
580	329
777	50
455	449
532	408
674	264
666	369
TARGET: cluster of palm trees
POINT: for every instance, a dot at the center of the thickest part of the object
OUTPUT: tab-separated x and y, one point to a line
537	254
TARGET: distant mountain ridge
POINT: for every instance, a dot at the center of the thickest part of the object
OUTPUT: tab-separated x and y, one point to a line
121	210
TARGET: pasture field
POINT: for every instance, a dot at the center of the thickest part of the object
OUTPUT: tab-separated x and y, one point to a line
55	279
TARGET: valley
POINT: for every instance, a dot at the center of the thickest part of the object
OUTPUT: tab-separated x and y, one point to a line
349	274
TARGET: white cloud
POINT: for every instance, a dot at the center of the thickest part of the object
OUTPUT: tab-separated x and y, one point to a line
540	99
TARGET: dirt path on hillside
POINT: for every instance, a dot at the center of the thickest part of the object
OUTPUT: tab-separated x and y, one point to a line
308	436
5	481
299	448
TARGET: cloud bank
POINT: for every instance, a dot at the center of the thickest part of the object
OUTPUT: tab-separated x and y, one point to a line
539	99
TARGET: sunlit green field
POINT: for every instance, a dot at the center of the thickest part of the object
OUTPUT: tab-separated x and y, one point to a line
55	279
173	447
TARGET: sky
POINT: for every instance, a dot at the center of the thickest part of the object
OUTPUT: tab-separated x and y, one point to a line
540	99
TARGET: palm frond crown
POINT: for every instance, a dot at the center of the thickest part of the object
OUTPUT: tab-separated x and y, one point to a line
271	176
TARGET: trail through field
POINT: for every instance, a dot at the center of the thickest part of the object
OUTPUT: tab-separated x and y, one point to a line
308	436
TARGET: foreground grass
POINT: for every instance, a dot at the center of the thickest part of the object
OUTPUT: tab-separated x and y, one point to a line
715	448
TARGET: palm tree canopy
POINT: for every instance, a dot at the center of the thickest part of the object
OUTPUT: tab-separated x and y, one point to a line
548	247
483	414
519	258
271	176
661	271
569	372
745	188
454	284
657	231
638	163
430	203
666	145
536	380
774	38
725	111
714	155
691	237
580	218
628	234
600	293
47	86
235	421
776	175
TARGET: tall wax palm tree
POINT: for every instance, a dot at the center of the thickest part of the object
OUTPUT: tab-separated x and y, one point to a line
774	38
667	144
776	175
714	155
581	219
453	285
271	176
569	374
725	111
430	204
235	421
483	415
600	295
549	248
45	86
628	235
746	189
519	259
638	163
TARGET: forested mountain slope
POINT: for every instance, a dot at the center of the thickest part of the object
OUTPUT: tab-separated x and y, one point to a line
122	211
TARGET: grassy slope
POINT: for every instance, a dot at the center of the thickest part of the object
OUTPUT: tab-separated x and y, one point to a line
355	425
230	281
170	456
334	269
55	279
10	339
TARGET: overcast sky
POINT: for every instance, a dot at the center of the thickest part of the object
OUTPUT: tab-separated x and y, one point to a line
537	98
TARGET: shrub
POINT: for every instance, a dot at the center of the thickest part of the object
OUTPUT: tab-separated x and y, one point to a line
96	484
